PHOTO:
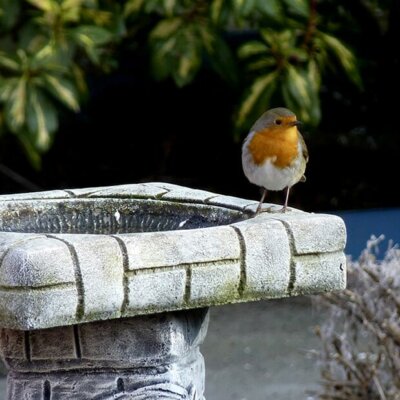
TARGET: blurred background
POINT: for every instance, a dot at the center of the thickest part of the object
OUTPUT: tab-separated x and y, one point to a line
107	92
97	92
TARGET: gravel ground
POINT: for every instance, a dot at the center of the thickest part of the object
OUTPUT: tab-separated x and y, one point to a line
258	351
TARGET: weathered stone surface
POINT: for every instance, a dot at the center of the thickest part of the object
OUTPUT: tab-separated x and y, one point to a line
54	344
267	257
151	292
12	344
215	283
150	357
99	268
321	273
180	193
51	194
99	254
140	190
168	249
38	262
314	233
230	201
102	253
29	309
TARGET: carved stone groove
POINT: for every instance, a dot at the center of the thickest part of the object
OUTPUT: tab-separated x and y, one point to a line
147	357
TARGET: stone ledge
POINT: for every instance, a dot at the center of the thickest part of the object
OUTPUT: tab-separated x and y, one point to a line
50	279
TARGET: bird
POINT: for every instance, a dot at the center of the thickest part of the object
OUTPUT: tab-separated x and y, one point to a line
274	154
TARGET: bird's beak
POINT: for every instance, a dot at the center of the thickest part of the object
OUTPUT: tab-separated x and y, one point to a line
295	123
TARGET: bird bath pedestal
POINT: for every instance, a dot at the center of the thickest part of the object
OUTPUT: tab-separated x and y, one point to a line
104	292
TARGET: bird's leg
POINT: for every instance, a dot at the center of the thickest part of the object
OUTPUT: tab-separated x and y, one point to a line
261	201
284	208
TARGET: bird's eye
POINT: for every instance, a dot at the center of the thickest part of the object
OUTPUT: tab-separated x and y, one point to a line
278	121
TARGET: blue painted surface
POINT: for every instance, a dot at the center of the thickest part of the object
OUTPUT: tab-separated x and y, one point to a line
362	224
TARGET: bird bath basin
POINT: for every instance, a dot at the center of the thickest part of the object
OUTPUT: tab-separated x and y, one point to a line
104	291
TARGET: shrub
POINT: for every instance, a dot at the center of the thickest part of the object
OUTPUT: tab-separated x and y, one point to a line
47	48
360	356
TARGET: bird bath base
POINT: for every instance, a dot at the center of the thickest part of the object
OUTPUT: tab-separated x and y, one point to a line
104	292
145	357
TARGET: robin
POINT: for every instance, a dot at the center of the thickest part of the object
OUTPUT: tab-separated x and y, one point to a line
274	154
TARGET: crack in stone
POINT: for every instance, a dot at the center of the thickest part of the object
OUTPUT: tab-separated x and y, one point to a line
243	252
80	309
77	342
54	286
46	390
125	265
27	345
188	286
168	268
292	265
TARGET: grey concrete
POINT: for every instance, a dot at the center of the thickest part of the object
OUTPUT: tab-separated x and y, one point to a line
94	254
144	357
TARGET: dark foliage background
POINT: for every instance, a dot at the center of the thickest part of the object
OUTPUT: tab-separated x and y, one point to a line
134	128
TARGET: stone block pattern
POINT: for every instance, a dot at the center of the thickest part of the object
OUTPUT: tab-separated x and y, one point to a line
145	357
49	280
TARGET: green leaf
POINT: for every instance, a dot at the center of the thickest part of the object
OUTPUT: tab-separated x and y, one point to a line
63	90
298	85
262	88
178	55
132	7
7	87
44	5
344	56
299	7
91	36
252	48
9	63
188	65
79	78
51	58
151	6
271	8
262	63
162	59
42	119
244	7
314	75
216	8
165	28
70	10
301	95
169	7
15	107
30	150
9	12
282	41
219	54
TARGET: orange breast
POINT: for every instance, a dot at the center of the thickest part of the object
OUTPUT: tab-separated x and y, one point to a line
280	145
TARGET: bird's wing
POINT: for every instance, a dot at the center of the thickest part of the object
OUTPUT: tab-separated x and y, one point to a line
304	147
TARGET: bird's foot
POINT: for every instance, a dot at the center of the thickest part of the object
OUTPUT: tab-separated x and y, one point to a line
264	210
273	210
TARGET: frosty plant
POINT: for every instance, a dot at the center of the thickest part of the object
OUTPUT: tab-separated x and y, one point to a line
360	356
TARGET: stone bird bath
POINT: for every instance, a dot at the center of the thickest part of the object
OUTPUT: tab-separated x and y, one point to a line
104	292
